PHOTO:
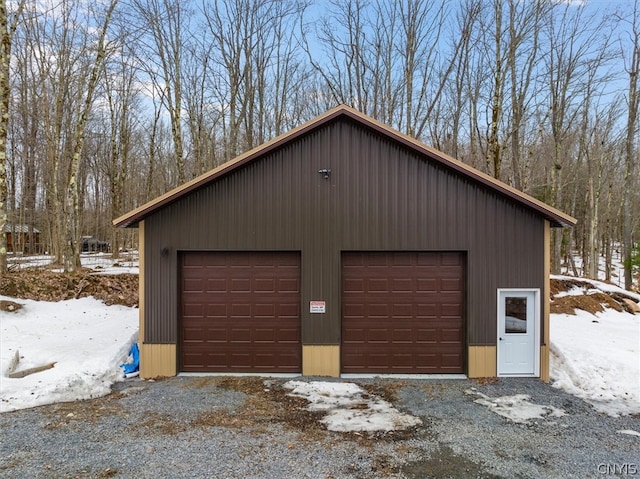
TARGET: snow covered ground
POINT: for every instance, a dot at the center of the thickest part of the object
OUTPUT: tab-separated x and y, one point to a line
595	357
86	339
101	262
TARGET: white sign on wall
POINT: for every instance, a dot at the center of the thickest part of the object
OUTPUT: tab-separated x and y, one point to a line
317	306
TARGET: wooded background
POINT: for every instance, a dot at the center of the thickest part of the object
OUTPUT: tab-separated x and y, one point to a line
106	104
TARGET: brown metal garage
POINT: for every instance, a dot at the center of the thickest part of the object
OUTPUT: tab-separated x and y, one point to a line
442	248
240	312
403	312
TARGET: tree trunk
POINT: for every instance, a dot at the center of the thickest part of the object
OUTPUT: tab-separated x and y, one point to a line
628	209
7	29
72	210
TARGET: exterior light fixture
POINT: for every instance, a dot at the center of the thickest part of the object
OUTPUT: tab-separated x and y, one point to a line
326	173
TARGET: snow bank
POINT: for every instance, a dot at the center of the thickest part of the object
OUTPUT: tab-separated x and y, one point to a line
86	339
597	358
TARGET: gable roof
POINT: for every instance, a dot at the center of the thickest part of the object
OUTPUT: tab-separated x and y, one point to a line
554	216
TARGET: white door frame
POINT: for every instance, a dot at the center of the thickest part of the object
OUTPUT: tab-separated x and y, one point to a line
535	322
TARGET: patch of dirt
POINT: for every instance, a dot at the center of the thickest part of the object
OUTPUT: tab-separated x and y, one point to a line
485	381
247	385
387	390
592	303
68	413
9	306
434	391
445	463
164	424
266	403
384	466
562	285
42	284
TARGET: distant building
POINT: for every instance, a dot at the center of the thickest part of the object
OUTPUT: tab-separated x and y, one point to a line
22	238
94	245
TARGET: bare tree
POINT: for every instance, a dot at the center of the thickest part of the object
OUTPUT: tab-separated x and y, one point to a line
122	101
255	77
72	247
631	140
8	26
166	23
571	35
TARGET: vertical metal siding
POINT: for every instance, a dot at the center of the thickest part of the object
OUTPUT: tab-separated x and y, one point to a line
380	196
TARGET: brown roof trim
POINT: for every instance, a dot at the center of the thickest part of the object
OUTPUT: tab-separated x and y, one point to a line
555	217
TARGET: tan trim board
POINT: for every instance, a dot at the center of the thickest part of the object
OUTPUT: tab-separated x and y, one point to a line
133	217
321	361
482	362
544	364
141	278
546	306
157	360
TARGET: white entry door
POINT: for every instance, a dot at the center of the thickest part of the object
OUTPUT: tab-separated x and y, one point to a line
518	332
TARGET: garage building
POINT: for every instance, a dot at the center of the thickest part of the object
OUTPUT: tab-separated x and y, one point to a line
344	247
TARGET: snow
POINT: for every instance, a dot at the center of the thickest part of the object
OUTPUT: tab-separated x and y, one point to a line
617	266
517	408
102	263
348	408
86	339
597	358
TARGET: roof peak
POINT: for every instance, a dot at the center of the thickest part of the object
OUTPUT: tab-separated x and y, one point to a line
555	217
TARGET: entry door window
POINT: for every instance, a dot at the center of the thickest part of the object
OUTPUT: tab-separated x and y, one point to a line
516	315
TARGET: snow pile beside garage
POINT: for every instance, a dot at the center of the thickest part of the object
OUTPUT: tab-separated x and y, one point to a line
84	339
595	343
348	408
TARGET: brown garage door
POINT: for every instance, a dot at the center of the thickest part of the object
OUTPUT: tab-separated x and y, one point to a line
240	312
403	313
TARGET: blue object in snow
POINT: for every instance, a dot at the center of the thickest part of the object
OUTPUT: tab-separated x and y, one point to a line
133	365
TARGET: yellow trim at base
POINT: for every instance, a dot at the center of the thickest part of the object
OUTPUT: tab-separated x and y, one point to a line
157	360
546	306
482	362
544	364
321	361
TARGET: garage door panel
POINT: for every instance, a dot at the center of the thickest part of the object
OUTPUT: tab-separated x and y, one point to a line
291	311
402	310
216	310
288	285
192	310
425	285
194	284
450	259
450	284
248	319
409	316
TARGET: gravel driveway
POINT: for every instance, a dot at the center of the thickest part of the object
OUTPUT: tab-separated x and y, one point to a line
245	428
